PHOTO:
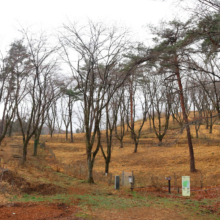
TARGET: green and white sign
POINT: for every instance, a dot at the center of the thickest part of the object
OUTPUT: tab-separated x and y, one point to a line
185	185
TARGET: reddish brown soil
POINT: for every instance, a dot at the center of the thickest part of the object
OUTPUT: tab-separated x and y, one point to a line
38	211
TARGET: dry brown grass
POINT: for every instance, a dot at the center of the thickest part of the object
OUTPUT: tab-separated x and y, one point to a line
151	159
150	166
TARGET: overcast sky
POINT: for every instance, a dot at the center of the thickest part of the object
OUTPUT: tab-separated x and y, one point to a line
51	14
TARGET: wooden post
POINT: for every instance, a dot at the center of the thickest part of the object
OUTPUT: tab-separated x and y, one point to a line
122	178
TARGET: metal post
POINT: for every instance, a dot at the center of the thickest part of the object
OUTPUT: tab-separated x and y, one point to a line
169	179
169	185
117	182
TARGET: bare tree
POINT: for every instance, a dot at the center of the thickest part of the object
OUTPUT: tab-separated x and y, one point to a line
51	118
197	98
65	114
80	119
120	108
138	99
111	114
160	99
99	50
38	86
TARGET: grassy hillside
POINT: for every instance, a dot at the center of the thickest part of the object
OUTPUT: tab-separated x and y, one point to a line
57	177
152	159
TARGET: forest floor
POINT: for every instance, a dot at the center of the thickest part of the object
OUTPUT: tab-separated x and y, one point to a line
50	185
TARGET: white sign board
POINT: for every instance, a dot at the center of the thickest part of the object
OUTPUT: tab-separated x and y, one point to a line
185	185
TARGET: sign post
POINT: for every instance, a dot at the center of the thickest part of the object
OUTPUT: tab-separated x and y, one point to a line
169	179
185	185
130	180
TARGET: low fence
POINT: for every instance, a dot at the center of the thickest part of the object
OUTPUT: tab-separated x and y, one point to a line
198	180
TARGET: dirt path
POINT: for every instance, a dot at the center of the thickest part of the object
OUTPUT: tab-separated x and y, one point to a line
61	211
38	211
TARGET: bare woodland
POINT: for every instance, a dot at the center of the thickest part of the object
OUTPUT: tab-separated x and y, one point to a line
113	82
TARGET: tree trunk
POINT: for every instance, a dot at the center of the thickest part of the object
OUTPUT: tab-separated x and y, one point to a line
71	124
3	118
71	132
107	166
121	141
90	168
173	117
150	124
160	138
115	128
207	122
135	148
24	152
210	129
4	132
182	128
211	124
131	106
66	133
36	141
191	152
197	133
10	129
207	125
149	116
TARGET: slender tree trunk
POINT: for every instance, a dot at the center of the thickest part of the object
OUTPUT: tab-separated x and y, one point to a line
25	152
71	131
90	168
107	166
4	132
191	152
207	120
66	133
160	137
207	124
210	129
182	127
149	117
116	129
211	124
2	124
131	105
3	117
194	110
10	129
70	117
121	141
197	133
173	117
36	141
136	146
